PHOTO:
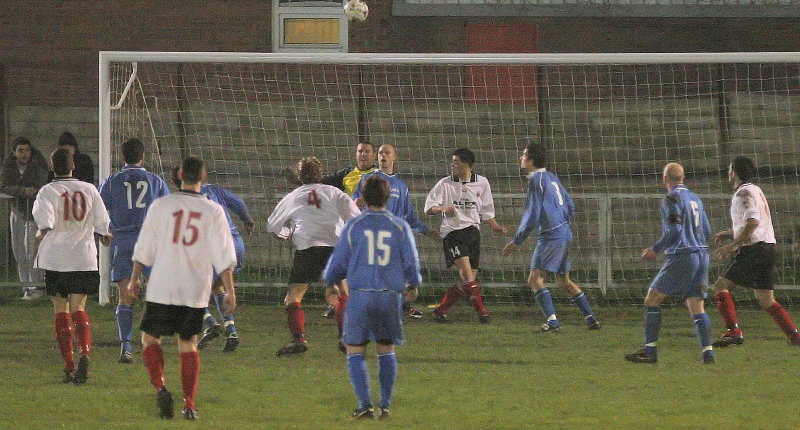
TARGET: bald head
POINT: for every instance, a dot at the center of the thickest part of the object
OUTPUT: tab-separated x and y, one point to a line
673	173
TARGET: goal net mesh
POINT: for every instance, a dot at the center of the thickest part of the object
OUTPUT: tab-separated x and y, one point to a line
610	129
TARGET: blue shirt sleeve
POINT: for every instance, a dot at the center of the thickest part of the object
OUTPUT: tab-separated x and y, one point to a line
336	269
530	216
411	268
671	222
236	205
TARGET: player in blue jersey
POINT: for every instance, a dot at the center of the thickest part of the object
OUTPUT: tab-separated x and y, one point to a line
399	202
548	209
231	203
127	195
377	255
684	240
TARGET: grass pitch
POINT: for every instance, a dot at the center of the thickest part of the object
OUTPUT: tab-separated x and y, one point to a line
459	375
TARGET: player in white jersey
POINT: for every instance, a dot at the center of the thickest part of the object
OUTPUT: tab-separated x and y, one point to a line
69	213
185	238
753	252
312	216
464	200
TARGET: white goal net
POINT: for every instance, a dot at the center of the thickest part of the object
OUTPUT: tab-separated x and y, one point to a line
611	121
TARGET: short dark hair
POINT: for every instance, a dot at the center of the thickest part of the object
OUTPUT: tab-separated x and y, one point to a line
21	141
62	161
67	138
366	142
744	168
465	155
309	170
132	151
192	170
537	153
376	191
175	175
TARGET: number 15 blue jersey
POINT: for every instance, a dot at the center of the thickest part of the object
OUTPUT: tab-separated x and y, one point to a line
376	252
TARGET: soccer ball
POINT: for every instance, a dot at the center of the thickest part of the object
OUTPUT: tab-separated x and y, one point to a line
356	10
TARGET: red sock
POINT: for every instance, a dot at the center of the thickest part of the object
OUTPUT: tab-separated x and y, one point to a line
297	320
83	331
63	324
153	359
453	295
727	311
190	373
784	321
341	305
473	291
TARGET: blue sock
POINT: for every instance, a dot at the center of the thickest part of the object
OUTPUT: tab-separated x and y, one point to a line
545	301
652	327
208	319
359	377
230	327
702	328
125	325
582	301
387	375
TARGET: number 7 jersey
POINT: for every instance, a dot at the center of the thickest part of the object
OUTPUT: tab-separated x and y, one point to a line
315	213
74	212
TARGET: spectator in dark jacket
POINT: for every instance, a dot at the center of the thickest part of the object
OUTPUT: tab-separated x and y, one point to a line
84	168
23	173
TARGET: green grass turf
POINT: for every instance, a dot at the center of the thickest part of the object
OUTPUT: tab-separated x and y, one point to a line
459	375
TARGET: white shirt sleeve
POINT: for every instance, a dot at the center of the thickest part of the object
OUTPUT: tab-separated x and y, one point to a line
43	210
435	197
486	210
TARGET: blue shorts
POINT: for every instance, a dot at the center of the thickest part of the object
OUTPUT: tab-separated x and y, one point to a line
684	274
238	246
373	316
551	256
122	257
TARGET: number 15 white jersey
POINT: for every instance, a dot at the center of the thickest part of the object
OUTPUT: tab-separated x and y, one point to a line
185	238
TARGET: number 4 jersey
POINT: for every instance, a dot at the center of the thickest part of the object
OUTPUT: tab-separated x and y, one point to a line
185	238
316	214
74	212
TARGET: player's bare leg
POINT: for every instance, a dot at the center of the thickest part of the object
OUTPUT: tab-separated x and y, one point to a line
579	298
766	300
124	314
153	358
727	311
545	301
296	319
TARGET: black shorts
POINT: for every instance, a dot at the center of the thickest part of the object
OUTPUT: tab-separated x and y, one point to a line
753	266
309	263
166	320
463	243
66	283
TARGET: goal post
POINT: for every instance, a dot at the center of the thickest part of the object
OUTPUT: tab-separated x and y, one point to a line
611	122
